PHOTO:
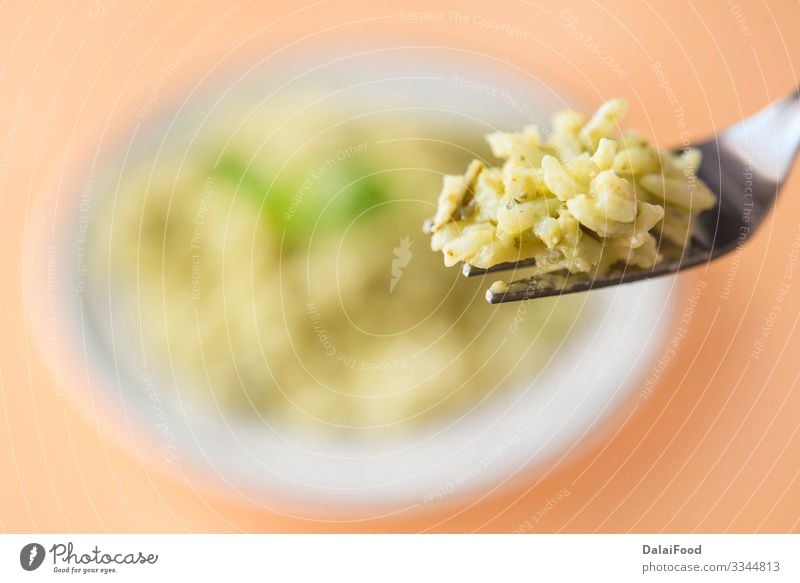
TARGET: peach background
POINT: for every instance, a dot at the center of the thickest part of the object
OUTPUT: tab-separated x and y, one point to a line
714	448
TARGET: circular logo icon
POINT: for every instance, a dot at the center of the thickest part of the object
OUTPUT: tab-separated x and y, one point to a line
31	556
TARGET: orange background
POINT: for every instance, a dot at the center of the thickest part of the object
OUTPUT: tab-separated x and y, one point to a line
714	448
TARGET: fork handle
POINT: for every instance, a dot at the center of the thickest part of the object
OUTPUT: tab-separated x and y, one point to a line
770	138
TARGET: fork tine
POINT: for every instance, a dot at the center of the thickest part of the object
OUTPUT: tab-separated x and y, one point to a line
471	271
501	292
539	287
557	284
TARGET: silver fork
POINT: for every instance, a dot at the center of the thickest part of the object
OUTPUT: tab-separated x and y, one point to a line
745	166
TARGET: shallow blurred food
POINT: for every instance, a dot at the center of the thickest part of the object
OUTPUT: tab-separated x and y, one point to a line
271	263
